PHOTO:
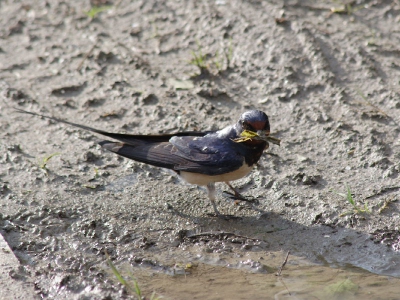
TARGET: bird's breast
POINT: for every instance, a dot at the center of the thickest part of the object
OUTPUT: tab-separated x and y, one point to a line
203	179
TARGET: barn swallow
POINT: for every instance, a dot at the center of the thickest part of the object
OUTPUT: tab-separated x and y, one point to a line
201	158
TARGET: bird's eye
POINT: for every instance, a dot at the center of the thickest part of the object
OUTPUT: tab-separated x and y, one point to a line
247	126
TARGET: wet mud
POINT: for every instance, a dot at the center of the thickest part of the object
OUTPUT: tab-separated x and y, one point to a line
326	74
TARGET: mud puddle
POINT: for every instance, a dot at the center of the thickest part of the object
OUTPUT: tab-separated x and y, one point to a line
254	276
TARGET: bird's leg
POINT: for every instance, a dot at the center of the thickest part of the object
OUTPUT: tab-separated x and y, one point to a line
211	196
236	195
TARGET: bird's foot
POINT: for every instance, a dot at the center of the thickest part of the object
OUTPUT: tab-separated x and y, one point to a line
238	197
211	195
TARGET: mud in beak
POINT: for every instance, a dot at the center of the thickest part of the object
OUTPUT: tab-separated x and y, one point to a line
262	135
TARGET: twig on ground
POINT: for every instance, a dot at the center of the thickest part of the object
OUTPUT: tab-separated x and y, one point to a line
280	272
386	203
283	264
367	102
86	56
220	234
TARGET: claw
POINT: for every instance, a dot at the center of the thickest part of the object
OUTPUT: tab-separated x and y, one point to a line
236	195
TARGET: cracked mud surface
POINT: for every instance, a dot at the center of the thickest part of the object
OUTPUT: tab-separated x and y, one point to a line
329	83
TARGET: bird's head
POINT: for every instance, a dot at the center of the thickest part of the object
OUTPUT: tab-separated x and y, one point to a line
255	121
253	129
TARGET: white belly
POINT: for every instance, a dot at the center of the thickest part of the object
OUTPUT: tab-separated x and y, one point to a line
202	179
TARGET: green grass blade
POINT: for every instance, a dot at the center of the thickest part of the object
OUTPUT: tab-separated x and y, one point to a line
349	196
47	158
95	10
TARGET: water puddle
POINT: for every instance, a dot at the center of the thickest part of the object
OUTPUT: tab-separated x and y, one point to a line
216	276
219	259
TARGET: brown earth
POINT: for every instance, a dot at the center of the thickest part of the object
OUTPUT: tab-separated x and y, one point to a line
328	79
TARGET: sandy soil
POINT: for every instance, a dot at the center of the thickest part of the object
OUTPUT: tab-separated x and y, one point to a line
329	82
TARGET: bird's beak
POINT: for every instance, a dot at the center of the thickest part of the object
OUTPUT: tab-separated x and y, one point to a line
264	135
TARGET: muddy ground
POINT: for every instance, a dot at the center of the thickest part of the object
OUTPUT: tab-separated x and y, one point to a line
328	79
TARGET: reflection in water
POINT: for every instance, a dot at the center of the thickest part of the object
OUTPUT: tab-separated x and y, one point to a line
207	276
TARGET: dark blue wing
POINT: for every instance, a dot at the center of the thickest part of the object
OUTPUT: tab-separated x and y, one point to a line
205	155
208	155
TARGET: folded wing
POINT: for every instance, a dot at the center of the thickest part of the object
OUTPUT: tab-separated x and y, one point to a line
197	152
191	154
